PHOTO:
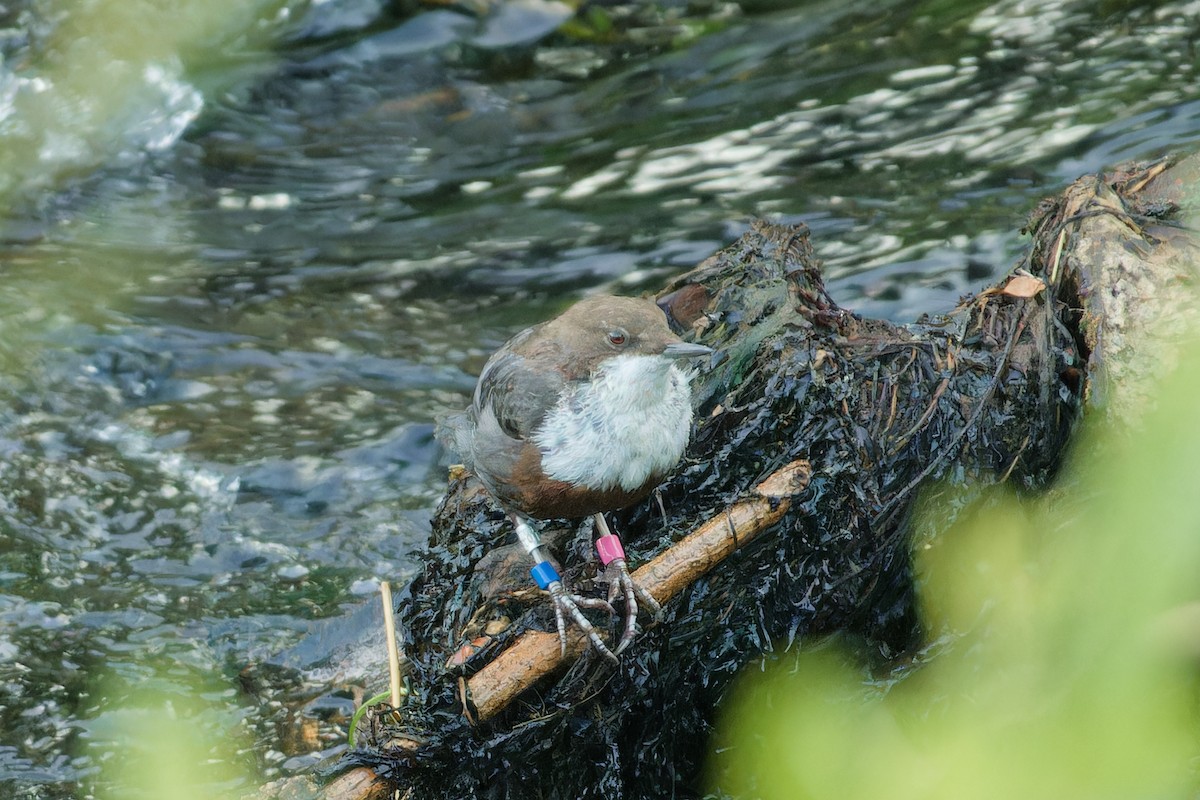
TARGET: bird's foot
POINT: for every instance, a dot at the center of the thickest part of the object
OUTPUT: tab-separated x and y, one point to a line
569	605
620	582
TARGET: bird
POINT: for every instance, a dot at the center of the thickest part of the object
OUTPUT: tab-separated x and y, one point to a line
584	414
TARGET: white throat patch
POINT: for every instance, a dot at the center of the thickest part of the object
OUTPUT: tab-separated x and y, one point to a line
631	422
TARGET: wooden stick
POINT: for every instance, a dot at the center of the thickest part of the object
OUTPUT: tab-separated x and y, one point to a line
389	626
360	783
536	653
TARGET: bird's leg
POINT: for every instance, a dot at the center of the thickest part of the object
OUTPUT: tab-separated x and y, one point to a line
565	603
612	555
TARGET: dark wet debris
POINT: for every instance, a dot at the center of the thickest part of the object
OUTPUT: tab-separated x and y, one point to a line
988	393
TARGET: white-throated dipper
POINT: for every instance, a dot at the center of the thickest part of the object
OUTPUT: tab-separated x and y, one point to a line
580	415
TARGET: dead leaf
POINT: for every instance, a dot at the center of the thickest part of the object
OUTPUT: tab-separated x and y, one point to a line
1023	286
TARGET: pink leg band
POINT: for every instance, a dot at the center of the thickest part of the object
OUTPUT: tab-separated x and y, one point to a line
609	548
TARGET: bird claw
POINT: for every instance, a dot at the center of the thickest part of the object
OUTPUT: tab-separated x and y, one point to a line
622	583
567	604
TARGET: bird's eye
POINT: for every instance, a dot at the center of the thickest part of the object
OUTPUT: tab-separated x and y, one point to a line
617	337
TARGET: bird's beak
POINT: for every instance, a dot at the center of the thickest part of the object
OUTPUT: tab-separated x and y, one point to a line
686	350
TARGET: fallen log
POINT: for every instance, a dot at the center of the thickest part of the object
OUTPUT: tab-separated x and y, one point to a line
987	393
1128	243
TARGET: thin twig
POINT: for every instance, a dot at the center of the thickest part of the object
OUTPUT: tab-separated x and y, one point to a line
393	652
885	513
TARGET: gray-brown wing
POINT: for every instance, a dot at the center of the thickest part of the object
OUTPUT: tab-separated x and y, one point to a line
518	396
510	401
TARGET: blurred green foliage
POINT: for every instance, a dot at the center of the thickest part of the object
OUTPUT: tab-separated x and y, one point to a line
1067	630
168	738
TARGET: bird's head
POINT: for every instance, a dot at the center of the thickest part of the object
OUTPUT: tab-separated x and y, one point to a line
598	329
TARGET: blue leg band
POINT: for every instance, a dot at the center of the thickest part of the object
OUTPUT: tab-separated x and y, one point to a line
544	574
